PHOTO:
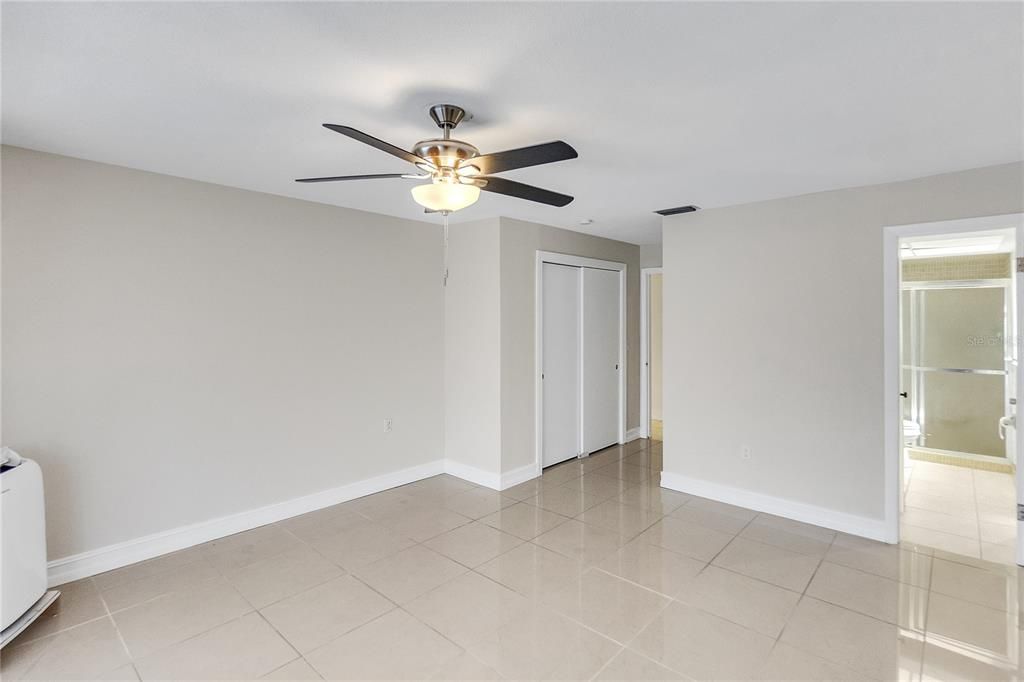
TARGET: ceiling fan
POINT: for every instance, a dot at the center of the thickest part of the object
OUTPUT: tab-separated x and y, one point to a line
456	170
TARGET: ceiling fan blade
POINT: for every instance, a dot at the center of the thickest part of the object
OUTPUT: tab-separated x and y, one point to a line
374	142
521	191
378	176
523	157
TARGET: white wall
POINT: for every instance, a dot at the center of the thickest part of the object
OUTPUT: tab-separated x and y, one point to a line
175	351
657	334
773	337
472	349
520	242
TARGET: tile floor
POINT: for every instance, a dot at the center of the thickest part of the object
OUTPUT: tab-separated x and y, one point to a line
960	510
591	572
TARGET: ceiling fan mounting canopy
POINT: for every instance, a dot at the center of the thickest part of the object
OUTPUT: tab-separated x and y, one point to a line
458	166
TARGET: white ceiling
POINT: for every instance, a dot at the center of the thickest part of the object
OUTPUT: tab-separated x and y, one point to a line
668	104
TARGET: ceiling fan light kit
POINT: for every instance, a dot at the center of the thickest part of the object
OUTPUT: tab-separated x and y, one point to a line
456	170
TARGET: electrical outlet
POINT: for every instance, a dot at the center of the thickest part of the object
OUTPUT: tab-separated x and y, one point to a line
387	424
745	452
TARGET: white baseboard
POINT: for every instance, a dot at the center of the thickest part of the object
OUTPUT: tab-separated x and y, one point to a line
875	529
107	558
520	475
634	433
488	479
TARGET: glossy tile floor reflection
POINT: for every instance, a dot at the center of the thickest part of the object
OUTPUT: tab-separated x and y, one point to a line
591	572
966	511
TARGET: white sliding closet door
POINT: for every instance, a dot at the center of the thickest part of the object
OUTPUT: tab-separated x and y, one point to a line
561	371
600	358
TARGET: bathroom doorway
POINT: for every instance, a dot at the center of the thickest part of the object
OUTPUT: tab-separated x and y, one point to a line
958	389
651	353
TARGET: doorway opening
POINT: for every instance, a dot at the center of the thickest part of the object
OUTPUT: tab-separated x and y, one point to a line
651	353
957	384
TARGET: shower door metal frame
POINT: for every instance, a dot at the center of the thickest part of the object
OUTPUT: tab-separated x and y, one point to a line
918	372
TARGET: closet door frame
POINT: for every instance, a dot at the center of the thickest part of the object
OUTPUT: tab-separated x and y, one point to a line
580	262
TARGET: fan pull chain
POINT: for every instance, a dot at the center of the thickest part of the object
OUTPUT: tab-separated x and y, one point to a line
444	274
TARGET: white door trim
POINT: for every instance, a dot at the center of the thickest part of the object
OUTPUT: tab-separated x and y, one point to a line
891	287
645	349
538	341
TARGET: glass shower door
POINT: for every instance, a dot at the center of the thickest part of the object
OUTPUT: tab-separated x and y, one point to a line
957	371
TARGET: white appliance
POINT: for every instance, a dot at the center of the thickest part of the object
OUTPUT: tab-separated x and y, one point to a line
23	594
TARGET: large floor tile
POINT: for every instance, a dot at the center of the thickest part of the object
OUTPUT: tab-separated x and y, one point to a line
466	666
623	519
598	487
443	484
298	669
525	521
580	541
994	589
989	630
241	649
850	639
468	607
953	664
791	535
624	471
542	645
752	603
967	526
177	616
312	618
565	500
408	574
478	502
654	567
691	539
282	575
701	645
473	544
79	602
144	569
83	652
872	595
789	663
423	524
607	604
241	549
655	498
323	523
888	561
362	545
768	563
629	665
968	546
135	592
695	512
395	646
532	570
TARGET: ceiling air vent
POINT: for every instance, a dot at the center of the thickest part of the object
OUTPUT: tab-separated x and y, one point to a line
677	210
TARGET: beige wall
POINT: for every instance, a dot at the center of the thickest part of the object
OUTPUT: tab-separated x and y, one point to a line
520	242
650	256
472	342
655	303
782	349
175	351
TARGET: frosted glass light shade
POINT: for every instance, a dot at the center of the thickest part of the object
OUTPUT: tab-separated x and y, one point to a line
445	196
